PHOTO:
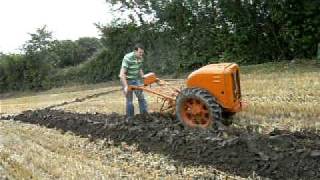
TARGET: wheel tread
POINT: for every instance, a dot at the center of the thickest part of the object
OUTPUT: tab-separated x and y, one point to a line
213	107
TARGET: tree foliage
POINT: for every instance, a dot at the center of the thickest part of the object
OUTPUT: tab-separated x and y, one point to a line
245	31
38	62
12	68
43	60
179	36
87	47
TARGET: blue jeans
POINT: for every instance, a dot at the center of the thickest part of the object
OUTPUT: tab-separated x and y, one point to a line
129	98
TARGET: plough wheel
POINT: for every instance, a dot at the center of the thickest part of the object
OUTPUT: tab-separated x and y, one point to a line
197	108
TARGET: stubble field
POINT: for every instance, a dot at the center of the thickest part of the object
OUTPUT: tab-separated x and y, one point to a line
83	134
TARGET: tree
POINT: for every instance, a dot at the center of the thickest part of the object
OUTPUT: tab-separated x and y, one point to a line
245	31
40	41
87	47
38	59
71	53
66	53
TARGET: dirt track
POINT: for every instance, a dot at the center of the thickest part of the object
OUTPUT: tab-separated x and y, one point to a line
278	155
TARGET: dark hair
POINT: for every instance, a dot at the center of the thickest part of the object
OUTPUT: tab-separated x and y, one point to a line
137	46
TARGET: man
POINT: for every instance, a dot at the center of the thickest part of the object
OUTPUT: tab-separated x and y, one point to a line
131	73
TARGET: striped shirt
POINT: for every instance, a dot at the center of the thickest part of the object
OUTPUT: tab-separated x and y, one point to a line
132	65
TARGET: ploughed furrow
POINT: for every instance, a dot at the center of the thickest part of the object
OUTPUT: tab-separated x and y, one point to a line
278	155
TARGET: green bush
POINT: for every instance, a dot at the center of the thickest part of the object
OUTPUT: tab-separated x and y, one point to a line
12	72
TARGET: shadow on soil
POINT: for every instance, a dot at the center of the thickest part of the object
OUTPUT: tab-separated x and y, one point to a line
278	155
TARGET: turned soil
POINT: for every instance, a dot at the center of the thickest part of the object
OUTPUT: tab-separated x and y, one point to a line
277	155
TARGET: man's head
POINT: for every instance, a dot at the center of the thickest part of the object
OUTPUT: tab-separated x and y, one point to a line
139	51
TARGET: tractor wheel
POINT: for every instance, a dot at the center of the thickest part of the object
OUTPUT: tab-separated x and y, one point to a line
197	108
227	117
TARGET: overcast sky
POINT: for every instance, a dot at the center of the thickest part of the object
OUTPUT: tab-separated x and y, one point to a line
67	19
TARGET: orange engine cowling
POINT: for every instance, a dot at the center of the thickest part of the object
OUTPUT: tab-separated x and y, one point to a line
222	81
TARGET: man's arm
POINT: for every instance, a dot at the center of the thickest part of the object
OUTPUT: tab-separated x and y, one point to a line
141	73
123	79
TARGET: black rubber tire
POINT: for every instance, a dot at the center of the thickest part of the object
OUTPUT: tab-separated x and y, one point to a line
214	109
227	118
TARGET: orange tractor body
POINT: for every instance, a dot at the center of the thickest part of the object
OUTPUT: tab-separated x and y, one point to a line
212	94
220	80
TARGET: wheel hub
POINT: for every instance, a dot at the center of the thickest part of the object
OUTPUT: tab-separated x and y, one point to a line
195	113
